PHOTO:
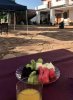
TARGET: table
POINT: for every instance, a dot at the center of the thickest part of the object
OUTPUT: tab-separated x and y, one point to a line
62	89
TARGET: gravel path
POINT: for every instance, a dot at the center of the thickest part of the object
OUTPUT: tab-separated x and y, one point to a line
38	39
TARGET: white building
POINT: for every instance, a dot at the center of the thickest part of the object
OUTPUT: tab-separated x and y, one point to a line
43	12
55	11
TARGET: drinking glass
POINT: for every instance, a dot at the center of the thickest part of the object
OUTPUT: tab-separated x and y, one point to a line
26	91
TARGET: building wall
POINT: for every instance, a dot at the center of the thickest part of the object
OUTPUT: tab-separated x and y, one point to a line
70	1
45	2
71	15
58	3
53	13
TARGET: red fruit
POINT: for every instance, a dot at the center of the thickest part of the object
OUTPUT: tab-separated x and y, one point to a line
51	73
40	78
46	71
45	75
40	70
45	79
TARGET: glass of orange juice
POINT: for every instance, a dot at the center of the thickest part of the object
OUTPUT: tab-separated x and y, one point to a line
26	91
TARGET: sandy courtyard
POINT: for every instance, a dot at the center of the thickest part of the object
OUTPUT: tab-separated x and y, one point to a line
38	39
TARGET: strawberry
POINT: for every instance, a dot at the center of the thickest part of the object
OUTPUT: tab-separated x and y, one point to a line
51	73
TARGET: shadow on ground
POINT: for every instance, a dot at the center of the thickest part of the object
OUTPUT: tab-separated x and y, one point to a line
59	35
9	43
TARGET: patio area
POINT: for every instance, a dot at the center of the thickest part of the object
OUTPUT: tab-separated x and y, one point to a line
38	39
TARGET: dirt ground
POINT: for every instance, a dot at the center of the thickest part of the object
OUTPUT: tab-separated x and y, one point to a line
36	39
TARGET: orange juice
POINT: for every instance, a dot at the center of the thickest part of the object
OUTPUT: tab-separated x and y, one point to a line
29	94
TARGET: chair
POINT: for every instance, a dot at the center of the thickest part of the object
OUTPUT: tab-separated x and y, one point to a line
4	27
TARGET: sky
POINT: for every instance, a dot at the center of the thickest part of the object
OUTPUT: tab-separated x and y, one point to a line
31	4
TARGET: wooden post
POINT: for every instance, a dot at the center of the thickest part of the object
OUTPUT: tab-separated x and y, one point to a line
27	21
14	21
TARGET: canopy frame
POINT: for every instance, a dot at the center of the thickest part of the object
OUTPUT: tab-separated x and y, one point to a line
11	6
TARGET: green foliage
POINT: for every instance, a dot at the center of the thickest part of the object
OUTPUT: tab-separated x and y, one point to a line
1	17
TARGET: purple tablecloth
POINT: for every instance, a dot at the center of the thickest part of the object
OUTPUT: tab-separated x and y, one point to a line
62	89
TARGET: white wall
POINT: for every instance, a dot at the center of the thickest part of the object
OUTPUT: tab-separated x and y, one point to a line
52	16
71	15
70	2
38	17
33	19
58	3
42	6
44	2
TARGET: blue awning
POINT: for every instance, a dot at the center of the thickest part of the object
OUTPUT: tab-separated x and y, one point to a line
8	5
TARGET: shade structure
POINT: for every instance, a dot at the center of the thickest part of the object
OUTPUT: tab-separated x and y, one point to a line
11	6
8	5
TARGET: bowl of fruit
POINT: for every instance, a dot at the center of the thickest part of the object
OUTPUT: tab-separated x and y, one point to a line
38	72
